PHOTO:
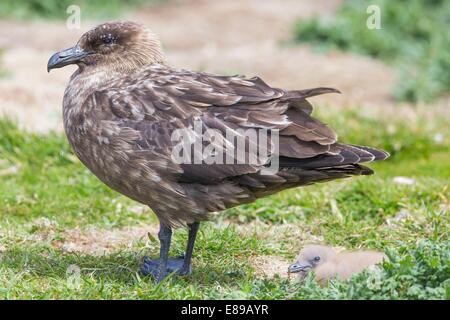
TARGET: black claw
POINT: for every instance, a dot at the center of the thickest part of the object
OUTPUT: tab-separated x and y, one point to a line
184	271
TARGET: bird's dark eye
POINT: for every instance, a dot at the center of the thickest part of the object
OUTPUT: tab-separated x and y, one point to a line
108	39
317	258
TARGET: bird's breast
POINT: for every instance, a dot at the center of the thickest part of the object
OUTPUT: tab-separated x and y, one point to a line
111	151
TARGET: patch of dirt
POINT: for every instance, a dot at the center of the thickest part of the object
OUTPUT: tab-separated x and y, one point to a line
289	235
232	36
95	241
195	24
89	241
270	266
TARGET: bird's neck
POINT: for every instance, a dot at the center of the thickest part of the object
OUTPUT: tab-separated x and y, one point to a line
82	84
85	81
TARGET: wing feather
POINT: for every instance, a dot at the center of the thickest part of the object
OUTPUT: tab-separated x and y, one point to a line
160	100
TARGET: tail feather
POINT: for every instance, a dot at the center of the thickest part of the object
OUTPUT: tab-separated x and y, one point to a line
378	154
343	155
297	98
306	93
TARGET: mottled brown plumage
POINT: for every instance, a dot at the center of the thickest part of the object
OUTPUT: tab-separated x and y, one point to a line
123	104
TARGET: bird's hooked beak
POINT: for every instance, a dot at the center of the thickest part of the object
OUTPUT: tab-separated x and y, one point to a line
66	57
299	267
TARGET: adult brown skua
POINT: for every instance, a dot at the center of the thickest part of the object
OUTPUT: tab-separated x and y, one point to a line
328	263
124	104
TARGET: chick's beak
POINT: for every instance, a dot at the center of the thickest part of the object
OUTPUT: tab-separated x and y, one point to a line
299	267
66	57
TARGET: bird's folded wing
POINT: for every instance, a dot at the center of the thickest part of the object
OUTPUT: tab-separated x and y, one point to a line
159	100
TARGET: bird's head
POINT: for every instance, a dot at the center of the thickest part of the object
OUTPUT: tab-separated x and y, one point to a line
119	46
311	257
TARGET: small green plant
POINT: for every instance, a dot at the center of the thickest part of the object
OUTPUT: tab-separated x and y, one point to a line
413	37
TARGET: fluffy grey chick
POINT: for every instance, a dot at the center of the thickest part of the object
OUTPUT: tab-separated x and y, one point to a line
327	263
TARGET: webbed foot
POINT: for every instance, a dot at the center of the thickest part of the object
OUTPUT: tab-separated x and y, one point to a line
174	265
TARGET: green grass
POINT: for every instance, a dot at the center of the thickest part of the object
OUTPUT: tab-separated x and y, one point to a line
41	178
413	38
56	9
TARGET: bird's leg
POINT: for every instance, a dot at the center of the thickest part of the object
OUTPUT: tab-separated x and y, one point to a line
165	237
160	268
186	267
164	265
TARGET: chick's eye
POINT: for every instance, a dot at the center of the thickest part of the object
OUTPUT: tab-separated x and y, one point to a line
316	259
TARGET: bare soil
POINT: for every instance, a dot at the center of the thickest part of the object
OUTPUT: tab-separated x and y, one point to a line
235	36
270	266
